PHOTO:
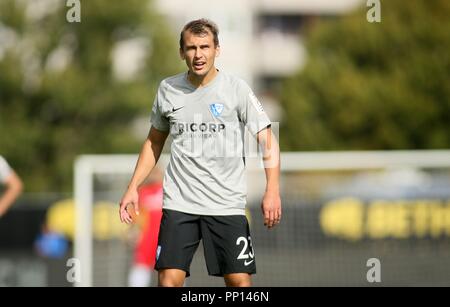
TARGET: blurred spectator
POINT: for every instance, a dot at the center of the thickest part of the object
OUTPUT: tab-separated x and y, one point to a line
150	204
13	185
51	244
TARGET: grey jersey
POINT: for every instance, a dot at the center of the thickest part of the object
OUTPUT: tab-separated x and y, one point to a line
206	171
5	170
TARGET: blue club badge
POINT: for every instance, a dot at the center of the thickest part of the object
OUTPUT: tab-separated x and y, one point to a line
216	109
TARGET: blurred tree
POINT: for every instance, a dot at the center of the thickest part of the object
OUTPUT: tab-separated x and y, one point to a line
60	94
373	85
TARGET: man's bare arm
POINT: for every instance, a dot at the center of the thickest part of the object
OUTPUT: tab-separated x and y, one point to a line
148	157
271	203
14	187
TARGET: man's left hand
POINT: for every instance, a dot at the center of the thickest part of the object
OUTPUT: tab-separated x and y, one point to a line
271	209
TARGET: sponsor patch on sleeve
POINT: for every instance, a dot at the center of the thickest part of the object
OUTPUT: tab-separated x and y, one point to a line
258	106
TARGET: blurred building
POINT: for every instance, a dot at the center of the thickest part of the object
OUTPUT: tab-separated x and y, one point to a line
261	40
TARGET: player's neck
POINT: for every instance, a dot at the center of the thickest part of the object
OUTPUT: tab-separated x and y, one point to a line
200	81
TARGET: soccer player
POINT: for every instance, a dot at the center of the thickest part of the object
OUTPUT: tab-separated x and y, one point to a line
205	111
13	185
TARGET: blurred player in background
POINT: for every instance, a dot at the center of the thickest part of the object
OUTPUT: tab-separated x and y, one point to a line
205	190
13	186
150	204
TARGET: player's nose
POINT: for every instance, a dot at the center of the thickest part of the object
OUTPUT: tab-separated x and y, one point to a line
198	54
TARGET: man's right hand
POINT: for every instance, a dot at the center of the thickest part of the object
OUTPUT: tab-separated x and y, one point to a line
131	197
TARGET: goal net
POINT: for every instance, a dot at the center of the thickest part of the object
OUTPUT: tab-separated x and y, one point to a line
340	209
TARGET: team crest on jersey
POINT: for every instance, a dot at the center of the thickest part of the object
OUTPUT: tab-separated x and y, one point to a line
216	109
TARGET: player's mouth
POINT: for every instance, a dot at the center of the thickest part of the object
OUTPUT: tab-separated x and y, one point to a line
199	65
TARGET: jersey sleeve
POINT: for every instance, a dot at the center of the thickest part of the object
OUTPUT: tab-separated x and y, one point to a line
157	119
251	111
5	170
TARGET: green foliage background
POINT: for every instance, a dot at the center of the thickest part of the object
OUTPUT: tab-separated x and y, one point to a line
373	85
47	118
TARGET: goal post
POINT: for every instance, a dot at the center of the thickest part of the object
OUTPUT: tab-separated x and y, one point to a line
86	166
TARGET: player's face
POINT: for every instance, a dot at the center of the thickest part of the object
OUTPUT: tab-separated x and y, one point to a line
199	52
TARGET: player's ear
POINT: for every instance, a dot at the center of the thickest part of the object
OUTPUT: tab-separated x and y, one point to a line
217	51
182	54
